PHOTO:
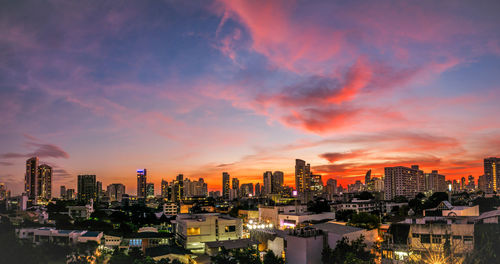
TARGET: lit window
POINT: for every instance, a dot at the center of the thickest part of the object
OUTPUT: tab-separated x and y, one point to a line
193	231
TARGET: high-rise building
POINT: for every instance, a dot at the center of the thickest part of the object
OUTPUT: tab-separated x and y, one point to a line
267	182
463	184
277	182
403	181
368	176
257	190
70	194
178	192
63	192
87	188
100	193
225	186
115	192
141	183
492	174
435	182
31	177
302	175
246	189
482	184
316	184
471	184
331	187
150	190
3	191
235	185
44	182
164	189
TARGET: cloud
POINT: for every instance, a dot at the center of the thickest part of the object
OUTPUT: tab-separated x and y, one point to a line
333	157
6	163
42	151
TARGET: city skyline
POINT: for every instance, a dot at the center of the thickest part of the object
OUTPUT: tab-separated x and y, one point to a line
247	87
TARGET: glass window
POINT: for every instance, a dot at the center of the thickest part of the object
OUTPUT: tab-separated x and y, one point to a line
415	235
436	239
193	231
231	228
425	238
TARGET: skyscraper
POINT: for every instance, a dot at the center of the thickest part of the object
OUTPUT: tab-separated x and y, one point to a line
115	192
63	192
87	188
178	188
277	182
403	181
257	190
302	175
141	183
368	176
235	184
435	182
150	190
164	189
225	186
31	177
44	182
331	187
98	185
267	182
492	174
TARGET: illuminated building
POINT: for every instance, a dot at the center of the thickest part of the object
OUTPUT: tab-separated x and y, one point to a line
70	194
164	189
257	191
141	183
150	190
246	189
31	177
115	192
225	186
194	230
302	175
492	174
44	182
87	188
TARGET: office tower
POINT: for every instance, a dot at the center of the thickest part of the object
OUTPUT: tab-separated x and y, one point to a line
178	188
44	182
492	174
98	185
462	183
403	181
235	185
70	194
435	182
63	192
87	188
225	186
164	189
257	190
378	184
316	184
31	177
277	182
368	176
199	188
150	190
267	182
3	192
246	189
471	184
482	184
302	175
115	192
141	183
331	187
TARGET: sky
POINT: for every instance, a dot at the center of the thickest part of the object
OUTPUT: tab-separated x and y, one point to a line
203	87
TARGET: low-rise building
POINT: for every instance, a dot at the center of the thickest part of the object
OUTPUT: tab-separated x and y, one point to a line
194	230
42	235
291	220
213	248
80	211
359	206
170	209
270	214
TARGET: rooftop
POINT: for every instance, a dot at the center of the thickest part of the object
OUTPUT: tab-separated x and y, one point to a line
91	234
337	228
232	244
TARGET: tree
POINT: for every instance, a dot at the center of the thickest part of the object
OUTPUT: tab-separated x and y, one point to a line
345	252
271	258
365	196
318	206
364	220
400	199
